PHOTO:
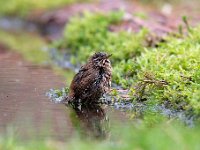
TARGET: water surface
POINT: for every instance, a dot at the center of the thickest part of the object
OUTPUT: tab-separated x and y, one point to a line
26	110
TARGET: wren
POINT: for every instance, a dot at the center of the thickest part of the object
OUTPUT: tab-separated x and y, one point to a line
92	80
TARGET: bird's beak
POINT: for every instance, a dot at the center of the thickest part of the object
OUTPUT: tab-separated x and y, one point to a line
108	56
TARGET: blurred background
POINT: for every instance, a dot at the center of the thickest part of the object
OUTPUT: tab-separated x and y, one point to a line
155	97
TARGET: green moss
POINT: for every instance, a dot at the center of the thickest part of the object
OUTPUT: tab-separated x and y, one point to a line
30	46
24	7
174	70
89	34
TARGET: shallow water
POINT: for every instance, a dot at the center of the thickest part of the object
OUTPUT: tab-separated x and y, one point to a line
29	113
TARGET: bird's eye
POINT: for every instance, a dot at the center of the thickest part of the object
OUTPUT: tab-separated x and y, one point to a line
107	61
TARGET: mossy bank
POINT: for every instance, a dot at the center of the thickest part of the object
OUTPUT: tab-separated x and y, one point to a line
168	74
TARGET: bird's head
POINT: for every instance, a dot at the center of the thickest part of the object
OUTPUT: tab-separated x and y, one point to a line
101	59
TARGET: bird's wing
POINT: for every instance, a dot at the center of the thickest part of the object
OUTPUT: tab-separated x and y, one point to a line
80	75
81	79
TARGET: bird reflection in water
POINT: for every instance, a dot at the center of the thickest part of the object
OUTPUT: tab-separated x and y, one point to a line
90	120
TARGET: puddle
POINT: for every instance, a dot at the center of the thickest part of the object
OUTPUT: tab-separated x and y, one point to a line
27	111
25	107
93	120
124	104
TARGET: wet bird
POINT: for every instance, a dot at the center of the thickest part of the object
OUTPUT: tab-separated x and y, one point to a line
92	80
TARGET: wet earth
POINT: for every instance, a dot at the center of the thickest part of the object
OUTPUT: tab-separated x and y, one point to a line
26	109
